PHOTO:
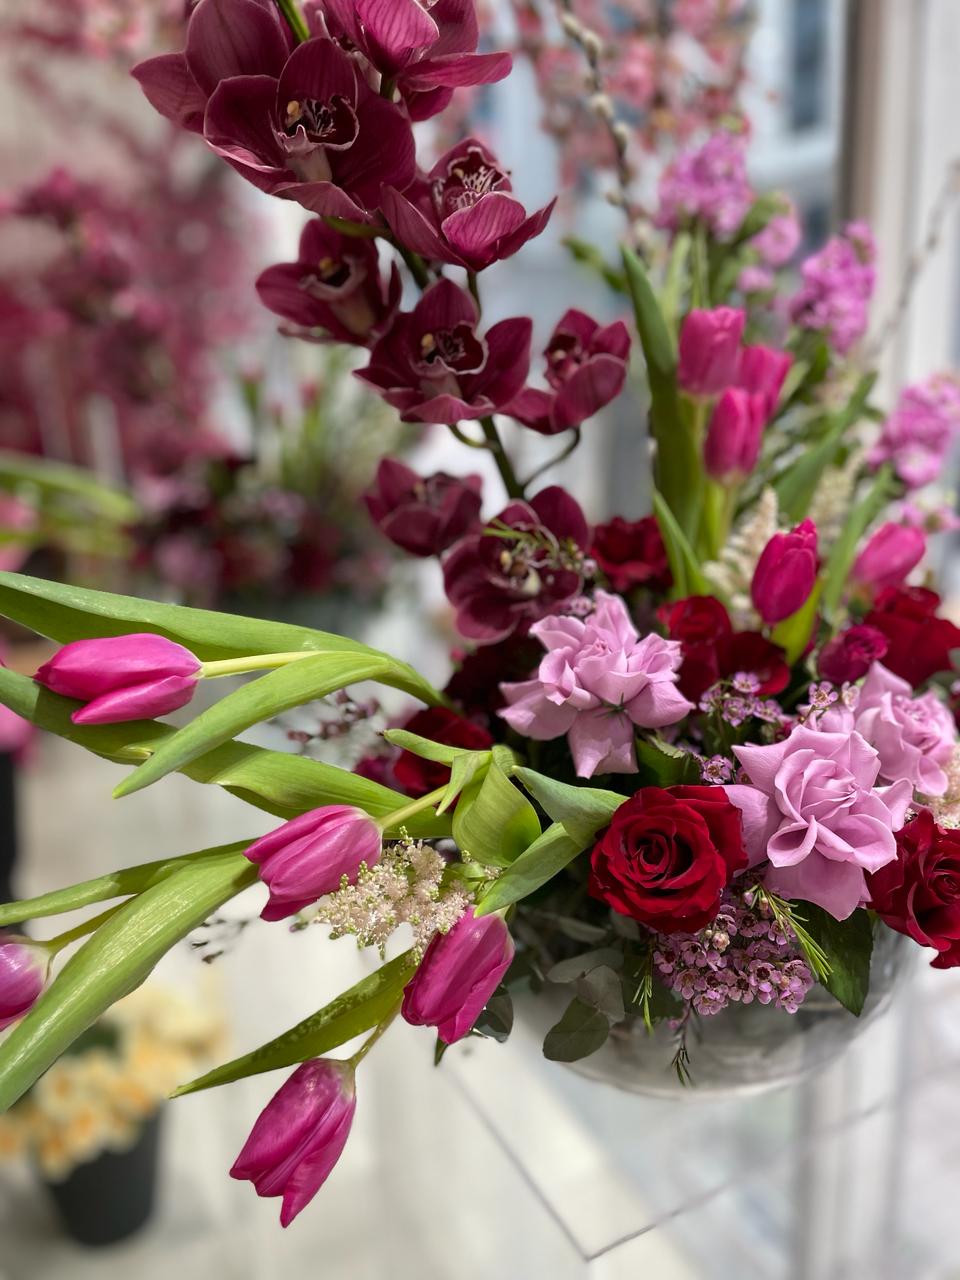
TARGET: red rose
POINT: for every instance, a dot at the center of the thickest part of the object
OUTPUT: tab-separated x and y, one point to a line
631	554
851	654
919	643
713	651
919	893
416	776
667	856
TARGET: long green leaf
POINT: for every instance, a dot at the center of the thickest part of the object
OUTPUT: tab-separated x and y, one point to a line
425	748
494	821
581	810
544	859
114	962
59	480
844	550
351	1014
688	577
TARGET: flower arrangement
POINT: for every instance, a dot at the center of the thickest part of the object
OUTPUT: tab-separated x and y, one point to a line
689	761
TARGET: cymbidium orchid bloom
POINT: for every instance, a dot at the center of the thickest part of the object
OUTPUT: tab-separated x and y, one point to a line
424	515
463	212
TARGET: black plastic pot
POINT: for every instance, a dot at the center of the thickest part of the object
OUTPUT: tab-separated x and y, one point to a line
112	1196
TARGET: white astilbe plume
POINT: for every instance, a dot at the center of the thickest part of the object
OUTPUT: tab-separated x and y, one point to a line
831	502
403	888
946	808
732	574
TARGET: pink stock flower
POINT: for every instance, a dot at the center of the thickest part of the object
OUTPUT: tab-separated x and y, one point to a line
851	654
463	212
734	435
335	286
300	1135
598	684
23	974
586	369
917	436
786	573
523	566
762	371
309	856
132	677
458	974
709	184
710	350
779	240
811	807
889	555
914	736
425	515
837	286
433	366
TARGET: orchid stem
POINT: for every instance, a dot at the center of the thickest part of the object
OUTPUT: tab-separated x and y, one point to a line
416	266
295	19
555	461
512	485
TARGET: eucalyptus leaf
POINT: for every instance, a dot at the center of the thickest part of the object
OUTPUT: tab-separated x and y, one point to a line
601	988
496	1019
581	1031
581	810
576	966
848	945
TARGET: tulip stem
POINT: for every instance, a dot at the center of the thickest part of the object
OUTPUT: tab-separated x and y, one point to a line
295	19
256	662
378	1031
55	945
396	819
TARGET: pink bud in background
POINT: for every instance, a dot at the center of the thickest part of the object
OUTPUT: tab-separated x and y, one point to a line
299	1135
120	678
710	350
309	856
786	573
457	976
424	515
762	371
23	973
733	438
889	556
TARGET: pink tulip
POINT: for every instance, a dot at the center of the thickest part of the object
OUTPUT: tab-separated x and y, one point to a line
733	438
299	1135
786	573
710	350
310	855
23	973
457	976
120	678
762	371
889	556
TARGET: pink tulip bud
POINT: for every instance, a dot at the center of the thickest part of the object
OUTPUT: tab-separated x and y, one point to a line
889	556
786	573
299	1135
710	350
120	678
309	856
23	973
733	438
457	976
762	371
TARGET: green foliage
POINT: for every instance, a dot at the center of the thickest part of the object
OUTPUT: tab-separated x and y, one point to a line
848	947
844	550
494	822
539	863
581	1031
582	811
668	766
496	1020
688	578
793	633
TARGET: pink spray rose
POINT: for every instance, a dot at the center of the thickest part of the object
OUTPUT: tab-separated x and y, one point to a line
598	683
786	573
889	555
120	678
813	810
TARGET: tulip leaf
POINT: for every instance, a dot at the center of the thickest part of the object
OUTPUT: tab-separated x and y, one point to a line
494	822
116	884
424	747
355	1011
669	766
793	634
281	784
581	1031
60	480
540	862
685	568
581	810
844	550
114	961
848	946
462	772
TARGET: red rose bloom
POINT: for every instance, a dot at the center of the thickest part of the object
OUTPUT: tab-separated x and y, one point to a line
631	554
416	776
713	651
918	642
851	654
919	893
667	856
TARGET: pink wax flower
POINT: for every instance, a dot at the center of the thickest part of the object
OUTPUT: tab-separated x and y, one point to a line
463	211
23	974
586	369
433	366
852	653
917	436
598	684
309	856
889	555
709	184
528	563
134	677
914	737
837	286
734	435
335	286
812	809
458	974
425	515
762	371
710	350
300	1135
786	573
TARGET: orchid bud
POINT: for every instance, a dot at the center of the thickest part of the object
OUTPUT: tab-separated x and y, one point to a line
309	856
710	350
425	515
889	556
299	1135
733	438
458	974
133	677
786	573
24	966
762	371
